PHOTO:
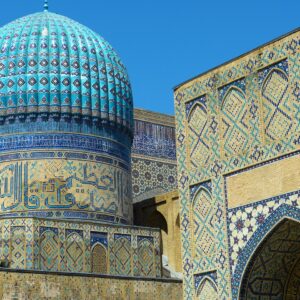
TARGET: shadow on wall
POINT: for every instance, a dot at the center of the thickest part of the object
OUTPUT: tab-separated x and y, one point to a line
274	269
162	212
147	215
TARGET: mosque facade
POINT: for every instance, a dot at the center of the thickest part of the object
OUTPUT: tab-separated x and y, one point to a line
95	195
238	133
66	201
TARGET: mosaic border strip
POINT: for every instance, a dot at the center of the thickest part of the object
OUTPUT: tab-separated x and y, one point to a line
64	141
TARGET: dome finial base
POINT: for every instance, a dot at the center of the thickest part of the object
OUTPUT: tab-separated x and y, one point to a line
46	5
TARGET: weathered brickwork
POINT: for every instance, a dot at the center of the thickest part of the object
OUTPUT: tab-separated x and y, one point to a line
154	168
238	133
35	286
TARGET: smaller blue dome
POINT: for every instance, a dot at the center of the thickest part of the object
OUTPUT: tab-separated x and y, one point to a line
50	64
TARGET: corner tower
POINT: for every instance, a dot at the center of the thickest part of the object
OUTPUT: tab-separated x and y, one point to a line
66	118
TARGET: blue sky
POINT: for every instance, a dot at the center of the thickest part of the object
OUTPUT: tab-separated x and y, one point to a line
165	42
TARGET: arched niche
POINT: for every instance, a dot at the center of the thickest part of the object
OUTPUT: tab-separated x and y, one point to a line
49	251
146	258
207	290
18	248
122	250
157	220
277	112
235	121
75	251
199	132
274	268
99	259
202	227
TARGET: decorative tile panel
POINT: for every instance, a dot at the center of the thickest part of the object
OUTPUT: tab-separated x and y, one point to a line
76	246
252	104
154	169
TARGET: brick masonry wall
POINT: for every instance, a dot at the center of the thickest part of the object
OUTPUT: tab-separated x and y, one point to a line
37	286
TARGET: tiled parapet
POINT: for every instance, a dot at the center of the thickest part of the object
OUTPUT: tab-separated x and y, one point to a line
74	246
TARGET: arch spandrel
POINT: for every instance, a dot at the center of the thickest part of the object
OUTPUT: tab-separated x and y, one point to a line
269	248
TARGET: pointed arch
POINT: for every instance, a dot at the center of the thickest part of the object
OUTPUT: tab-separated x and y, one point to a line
207	289
195	106
99	259
146	258
232	90
258	241
49	251
267	79
74	252
157	220
201	189
235	121
202	227
199	132
122	256
18	248
277	118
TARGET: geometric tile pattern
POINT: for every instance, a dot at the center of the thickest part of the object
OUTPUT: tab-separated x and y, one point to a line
203	221
206	286
244	221
74	252
18	247
151	177
271	267
257	242
153	155
68	246
235	118
70	70
277	108
49	250
253	108
99	259
200	129
145	257
122	253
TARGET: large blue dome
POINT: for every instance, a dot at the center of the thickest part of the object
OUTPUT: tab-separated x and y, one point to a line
52	65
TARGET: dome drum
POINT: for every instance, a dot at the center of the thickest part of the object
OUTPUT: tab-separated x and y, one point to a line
66	123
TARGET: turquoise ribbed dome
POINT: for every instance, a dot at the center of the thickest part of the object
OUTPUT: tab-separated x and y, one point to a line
52	65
